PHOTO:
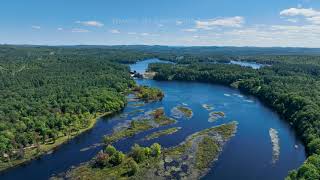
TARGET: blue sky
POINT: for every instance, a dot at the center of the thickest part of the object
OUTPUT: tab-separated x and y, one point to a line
163	22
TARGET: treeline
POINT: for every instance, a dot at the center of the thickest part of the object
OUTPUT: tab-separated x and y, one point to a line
290	86
49	92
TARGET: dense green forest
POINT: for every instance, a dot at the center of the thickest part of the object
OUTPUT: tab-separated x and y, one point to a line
51	92
291	86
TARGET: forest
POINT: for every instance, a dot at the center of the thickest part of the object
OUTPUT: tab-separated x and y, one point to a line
52	92
290	85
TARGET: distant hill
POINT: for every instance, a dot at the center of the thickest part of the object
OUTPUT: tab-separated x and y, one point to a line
192	50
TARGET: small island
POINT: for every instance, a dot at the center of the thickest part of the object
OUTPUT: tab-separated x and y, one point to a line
157	119
182	111
148	94
158	134
213	116
189	160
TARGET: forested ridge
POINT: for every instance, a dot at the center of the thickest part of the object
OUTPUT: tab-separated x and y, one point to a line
50	92
291	86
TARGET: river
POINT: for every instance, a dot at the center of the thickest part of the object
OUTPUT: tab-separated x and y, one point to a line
248	155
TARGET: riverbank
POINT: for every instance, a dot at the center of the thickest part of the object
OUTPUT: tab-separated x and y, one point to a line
34	152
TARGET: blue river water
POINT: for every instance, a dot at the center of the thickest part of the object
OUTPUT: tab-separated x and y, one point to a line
248	155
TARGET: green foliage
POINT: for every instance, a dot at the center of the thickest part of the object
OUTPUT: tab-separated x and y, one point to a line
138	153
117	158
207	151
162	133
110	150
148	94
155	150
133	166
134	128
50	92
314	146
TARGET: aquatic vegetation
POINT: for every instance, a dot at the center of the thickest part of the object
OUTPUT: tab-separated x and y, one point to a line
158	134
213	116
148	94
181	111
275	145
193	157
156	119
189	160
135	127
208	107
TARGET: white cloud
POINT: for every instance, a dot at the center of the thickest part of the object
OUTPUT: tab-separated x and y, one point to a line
114	31
236	21
293	20
310	15
35	27
145	34
90	23
160	25
78	30
189	30
132	33
314	20
60	29
300	12
179	22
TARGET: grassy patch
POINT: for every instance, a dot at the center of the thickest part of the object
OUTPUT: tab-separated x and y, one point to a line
134	128
137	126
208	149
186	111
163	133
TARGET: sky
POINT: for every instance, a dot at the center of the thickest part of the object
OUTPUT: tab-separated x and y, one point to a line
262	23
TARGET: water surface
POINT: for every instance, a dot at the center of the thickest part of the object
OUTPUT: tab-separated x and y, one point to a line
248	155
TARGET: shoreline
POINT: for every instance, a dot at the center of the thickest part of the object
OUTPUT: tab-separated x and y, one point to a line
50	148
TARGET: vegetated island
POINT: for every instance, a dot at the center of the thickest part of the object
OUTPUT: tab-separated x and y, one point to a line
191	159
213	116
148	94
136	126
208	107
160	133
182	111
